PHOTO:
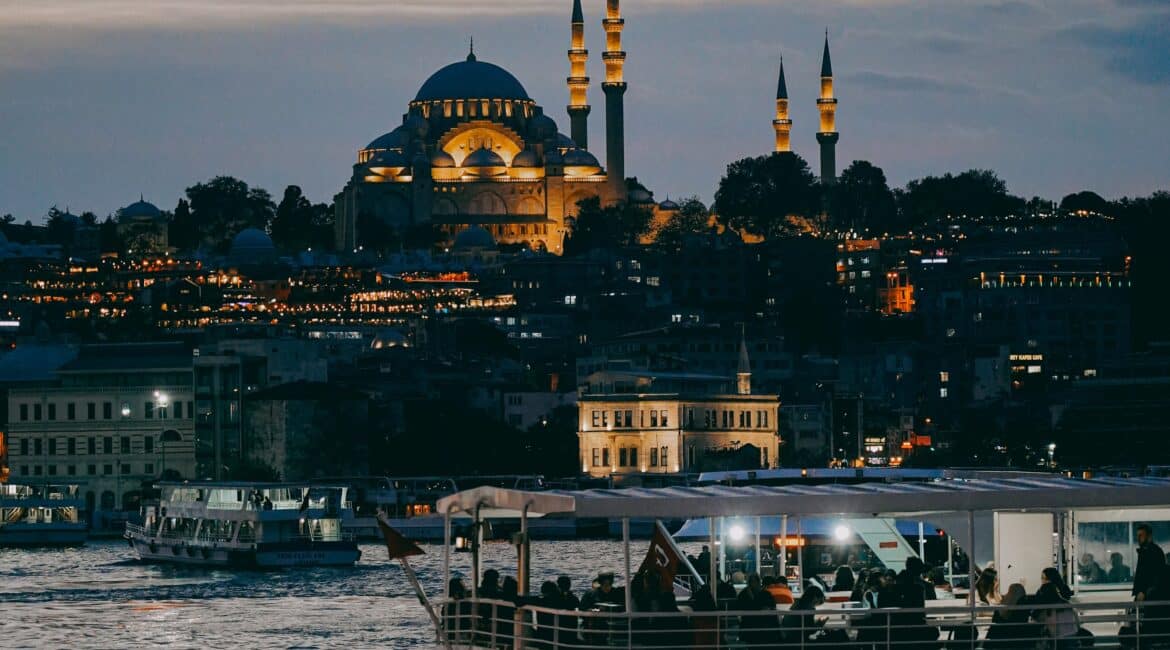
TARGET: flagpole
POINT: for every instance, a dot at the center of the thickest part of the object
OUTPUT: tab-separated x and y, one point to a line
422	598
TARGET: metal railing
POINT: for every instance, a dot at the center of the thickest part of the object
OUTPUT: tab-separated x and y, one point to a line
495	624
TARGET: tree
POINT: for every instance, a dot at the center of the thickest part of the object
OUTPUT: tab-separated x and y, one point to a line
761	194
861	200
59	228
973	193
1145	225
183	230
8	219
224	206
692	219
608	227
108	238
1084	201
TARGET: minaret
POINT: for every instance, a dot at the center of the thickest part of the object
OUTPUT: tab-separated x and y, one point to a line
782	125
827	105
743	370
578	82
614	88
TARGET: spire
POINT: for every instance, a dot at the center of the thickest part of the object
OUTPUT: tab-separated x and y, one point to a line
826	63
578	15
614	88
578	81
743	369
471	49
781	87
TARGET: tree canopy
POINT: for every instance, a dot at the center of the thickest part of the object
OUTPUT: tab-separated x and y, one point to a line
221	208
862	201
1084	200
300	224
608	227
761	194
973	193
691	219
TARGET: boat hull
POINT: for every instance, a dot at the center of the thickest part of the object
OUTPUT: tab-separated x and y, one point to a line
43	535
259	556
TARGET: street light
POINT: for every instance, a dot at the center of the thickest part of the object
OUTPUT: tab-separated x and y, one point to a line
1051	455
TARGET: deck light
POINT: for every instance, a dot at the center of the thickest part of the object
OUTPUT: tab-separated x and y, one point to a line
736	533
841	532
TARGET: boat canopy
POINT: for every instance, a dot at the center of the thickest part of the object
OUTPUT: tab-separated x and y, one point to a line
877	498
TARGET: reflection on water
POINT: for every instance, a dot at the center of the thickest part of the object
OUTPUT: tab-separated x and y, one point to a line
99	596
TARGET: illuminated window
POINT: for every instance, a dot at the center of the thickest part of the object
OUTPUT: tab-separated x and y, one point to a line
653	457
596	457
942	392
944	377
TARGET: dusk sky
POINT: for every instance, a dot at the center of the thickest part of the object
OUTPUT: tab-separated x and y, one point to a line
101	100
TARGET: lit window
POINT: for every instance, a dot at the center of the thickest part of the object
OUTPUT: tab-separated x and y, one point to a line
942	392
944	377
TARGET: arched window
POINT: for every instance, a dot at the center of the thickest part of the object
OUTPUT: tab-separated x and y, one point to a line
530	205
444	207
487	203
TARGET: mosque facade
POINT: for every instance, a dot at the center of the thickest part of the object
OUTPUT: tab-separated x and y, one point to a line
475	151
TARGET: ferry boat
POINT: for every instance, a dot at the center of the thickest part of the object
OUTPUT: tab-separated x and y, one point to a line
251	525
41	515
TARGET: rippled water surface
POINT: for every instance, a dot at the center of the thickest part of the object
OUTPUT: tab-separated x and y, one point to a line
100	596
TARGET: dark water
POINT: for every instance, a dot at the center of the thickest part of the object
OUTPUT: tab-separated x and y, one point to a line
99	596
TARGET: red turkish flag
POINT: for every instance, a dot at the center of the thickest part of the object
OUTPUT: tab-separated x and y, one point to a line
396	545
664	558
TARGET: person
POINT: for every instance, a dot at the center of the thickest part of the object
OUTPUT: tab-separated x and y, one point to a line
1088	570
267	503
546	622
602	598
987	587
568	600
756	631
872	628
779	590
457	613
1010	625
911	593
843	579
1118	572
505	615
1151	559
489	587
858	592
1155	610
798	626
1060	622
649	596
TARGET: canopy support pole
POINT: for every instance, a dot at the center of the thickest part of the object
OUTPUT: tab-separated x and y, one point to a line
522	551
629	578
971	563
447	554
921	541
800	555
783	575
756	551
712	576
722	549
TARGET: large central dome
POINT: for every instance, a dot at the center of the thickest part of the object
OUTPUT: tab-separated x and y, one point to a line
471	79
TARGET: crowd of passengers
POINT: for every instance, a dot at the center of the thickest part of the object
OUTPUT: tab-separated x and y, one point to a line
894	616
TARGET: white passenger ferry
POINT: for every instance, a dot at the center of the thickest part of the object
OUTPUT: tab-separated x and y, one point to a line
256	525
41	515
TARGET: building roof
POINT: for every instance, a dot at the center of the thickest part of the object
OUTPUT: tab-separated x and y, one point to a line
35	362
868	499
140	209
471	79
578	15
118	357
396	138
474	237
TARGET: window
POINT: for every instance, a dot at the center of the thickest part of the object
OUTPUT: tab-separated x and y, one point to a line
596	457
107	410
178	410
596	419
605	456
38	470
633	456
71	411
38	412
38	447
148	468
24	470
653	418
605	419
24	412
124	447
743	419
653	457
24	446
665	419
148	443
570	300
91	470
629	418
91	411
52	411
125	468
617	418
52	446
162	412
942	392
148	410
91	445
107	445
944	377
662	456
622	457
71	470
52	470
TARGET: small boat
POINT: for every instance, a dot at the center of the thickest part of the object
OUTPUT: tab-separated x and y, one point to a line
41	515
248	525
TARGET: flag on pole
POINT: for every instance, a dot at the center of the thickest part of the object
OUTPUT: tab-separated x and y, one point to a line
666	559
397	545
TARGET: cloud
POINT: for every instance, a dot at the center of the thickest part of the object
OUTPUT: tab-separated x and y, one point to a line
1139	51
881	81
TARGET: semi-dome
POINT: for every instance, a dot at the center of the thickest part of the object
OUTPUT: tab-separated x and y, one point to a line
140	209
484	158
474	237
580	158
442	159
565	142
395	139
526	158
542	127
471	79
251	241
387	162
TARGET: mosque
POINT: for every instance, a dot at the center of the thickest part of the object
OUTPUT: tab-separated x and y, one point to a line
477	158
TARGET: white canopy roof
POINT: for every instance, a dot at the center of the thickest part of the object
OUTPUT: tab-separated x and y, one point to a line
890	499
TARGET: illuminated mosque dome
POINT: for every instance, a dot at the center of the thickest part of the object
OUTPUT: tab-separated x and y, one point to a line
252	244
471	79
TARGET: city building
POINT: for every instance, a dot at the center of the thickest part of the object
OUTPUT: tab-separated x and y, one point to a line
475	150
143	228
640	429
114	419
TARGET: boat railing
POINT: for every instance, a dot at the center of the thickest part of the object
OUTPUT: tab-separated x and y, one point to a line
468	623
135	529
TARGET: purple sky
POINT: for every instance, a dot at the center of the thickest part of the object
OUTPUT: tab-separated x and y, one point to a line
101	100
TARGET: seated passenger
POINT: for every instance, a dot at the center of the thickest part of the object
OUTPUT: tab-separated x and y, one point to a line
1118	572
779	590
1010	627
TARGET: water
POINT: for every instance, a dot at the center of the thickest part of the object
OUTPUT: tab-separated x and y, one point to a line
101	596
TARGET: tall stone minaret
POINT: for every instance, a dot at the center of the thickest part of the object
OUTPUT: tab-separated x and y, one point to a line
827	105
578	81
743	369
782	125
614	88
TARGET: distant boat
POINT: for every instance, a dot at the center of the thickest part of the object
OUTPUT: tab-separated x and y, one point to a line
41	515
249	525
